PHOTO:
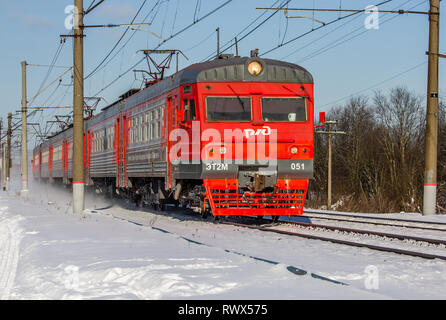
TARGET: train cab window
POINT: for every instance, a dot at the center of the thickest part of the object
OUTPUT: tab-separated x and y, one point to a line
284	109
228	109
189	110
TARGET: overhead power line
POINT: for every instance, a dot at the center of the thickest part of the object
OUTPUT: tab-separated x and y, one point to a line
228	45
375	85
193	23
52	65
120	76
117	43
318	28
344	38
163	42
104	64
49	85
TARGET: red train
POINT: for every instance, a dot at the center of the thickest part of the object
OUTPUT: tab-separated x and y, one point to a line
231	136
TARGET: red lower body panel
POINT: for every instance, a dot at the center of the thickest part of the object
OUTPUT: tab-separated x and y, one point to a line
226	199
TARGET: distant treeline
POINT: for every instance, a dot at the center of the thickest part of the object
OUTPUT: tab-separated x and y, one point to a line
378	166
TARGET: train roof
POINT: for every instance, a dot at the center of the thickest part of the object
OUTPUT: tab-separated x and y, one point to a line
230	69
235	70
225	70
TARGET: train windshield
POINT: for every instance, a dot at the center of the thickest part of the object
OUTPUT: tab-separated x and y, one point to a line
228	109
284	109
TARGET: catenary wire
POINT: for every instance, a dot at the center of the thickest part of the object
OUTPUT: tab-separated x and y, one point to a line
315	29
375	85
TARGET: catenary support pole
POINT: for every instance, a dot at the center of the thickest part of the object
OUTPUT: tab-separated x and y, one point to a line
24	190
78	109
1	152
3	146
8	153
3	157
329	167
430	173
330	132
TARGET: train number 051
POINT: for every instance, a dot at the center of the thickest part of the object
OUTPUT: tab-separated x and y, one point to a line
297	166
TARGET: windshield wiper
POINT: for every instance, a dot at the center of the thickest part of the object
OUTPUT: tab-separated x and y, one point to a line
238	97
299	95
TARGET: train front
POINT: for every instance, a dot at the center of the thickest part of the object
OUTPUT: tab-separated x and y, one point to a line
257	136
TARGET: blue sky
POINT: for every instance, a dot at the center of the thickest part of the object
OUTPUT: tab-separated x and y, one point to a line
344	57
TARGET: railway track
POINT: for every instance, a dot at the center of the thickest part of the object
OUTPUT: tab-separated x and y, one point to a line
259	224
267	225
391	222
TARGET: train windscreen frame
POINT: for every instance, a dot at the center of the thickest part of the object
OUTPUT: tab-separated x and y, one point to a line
228	108
284	109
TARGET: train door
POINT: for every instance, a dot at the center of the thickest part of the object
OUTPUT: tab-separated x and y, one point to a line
187	116
124	144
65	150
120	145
63	161
85	155
90	136
40	164
172	116
117	147
50	162
33	163
67	154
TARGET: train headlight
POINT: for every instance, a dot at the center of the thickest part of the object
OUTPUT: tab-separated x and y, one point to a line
223	150
294	150
255	68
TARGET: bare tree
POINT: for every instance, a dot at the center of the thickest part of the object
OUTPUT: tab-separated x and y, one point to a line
378	165
352	151
400	118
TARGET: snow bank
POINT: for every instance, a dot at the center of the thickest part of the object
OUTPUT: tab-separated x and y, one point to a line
49	253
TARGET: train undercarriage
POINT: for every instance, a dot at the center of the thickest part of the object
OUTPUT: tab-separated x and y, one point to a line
216	197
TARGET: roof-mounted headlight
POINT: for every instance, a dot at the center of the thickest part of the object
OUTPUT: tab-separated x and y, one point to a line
255	68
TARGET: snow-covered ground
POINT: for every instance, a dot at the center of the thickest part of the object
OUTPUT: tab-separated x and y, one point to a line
117	252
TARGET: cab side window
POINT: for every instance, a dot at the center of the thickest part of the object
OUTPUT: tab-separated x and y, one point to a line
189	110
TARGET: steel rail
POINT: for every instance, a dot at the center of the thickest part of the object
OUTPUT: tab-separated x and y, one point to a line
374	223
369	232
351	218
338	241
